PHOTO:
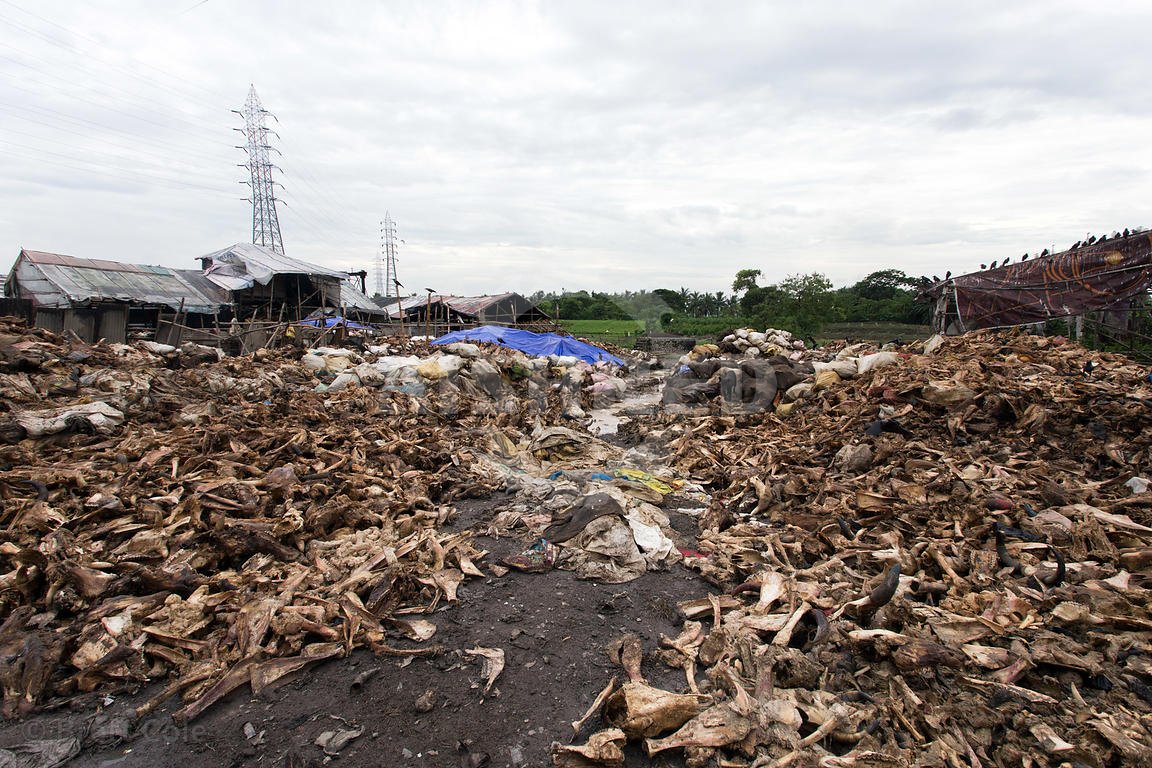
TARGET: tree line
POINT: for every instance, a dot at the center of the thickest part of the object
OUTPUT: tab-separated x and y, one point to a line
802	304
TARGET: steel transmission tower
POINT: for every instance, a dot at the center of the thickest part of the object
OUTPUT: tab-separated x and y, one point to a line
386	280
265	223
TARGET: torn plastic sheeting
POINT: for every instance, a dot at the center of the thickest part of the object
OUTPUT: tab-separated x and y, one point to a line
41	753
640	476
648	524
605	551
331	322
99	416
876	361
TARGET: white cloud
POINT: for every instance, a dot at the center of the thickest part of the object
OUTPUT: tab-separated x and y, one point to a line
597	145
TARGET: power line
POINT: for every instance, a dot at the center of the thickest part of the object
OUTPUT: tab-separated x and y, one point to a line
52	40
316	186
316	195
104	83
136	152
80	121
103	170
166	158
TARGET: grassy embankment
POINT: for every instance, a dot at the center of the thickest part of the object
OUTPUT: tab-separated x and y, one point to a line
622	333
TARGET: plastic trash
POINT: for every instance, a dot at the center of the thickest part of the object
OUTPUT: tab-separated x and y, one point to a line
313	362
1138	484
431	370
876	361
538	558
98	416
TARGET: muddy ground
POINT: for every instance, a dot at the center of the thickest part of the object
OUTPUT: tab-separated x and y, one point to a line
553	628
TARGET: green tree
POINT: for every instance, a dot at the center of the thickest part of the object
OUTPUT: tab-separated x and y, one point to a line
672	299
799	303
884	284
745	280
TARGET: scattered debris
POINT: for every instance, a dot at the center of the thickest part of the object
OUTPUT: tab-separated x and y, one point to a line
493	665
969	588
932	554
231	521
331	742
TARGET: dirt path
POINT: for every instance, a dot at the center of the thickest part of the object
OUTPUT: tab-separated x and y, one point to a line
552	628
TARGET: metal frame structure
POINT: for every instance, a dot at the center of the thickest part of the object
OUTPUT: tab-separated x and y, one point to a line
387	282
265	222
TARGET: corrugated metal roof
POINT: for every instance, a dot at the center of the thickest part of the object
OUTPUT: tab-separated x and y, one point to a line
474	305
56	280
351	296
241	265
465	305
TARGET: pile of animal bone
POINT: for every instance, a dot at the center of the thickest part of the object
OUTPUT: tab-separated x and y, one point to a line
945	562
488	366
774	380
224	524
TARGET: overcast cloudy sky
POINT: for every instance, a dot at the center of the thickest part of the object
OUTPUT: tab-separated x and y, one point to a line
597	145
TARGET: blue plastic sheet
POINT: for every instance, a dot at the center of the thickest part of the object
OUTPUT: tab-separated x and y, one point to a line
536	344
328	322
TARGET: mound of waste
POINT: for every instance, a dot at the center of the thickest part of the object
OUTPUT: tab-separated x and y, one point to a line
941	561
753	371
218	522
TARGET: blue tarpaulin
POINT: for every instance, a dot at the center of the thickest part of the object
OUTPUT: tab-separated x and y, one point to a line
537	344
328	322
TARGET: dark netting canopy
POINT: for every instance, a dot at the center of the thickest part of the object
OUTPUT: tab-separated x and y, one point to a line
1102	276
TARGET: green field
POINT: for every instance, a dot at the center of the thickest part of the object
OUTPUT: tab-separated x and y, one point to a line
622	333
877	332
598	327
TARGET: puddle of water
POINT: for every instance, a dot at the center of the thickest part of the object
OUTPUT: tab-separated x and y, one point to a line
606	420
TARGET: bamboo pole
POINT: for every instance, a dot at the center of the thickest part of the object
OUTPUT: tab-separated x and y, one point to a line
400	309
428	316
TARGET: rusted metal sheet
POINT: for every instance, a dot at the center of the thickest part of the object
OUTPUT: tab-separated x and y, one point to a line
82	322
50	319
502	308
113	324
55	280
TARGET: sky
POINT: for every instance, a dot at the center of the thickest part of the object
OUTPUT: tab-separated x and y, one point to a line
578	145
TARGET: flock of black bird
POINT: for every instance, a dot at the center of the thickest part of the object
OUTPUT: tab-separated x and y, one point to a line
1090	239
